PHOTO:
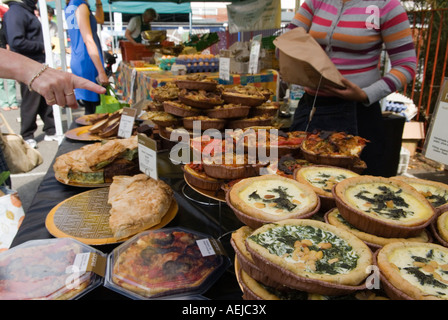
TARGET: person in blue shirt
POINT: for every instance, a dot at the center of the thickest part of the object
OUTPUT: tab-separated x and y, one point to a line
86	54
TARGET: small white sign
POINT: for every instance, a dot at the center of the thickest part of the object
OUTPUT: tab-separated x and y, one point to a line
436	143
224	68
254	54
205	247
127	123
147	156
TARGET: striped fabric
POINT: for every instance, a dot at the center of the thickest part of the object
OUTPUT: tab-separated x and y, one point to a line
353	34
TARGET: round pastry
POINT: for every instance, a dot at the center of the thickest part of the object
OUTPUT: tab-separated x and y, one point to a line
179	109
383	206
239	168
268	109
194	174
168	91
205	123
200	98
442	226
435	192
374	242
322	179
270	198
250	122
197	82
238	242
311	255
228	111
161	118
416	270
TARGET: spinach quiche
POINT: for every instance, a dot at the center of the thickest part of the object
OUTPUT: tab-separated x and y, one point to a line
311	255
419	270
383	206
334	218
323	178
435	192
272	198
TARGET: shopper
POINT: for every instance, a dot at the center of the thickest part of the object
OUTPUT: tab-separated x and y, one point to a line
139	24
86	54
54	85
24	35
353	34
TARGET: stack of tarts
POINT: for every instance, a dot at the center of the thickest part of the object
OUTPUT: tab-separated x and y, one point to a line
200	98
299	257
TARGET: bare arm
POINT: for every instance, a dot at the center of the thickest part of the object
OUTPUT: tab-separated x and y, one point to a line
99	13
82	16
52	84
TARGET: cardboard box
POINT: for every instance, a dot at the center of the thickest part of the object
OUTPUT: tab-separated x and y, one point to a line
413	132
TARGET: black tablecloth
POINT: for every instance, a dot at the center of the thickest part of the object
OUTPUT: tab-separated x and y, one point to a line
196	212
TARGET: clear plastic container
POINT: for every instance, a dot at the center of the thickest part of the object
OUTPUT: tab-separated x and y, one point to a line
167	263
50	269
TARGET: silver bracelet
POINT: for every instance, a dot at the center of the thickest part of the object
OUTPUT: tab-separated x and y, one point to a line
44	67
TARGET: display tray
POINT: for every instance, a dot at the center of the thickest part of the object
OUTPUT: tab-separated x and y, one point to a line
218	195
83	134
85	217
85	185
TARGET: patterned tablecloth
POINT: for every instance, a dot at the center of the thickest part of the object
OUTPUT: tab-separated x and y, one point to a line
135	84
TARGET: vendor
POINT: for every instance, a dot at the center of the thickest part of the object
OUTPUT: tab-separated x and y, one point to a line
139	24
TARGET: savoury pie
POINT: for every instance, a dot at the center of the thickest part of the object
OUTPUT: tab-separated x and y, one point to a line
334	218
419	270
137	203
309	254
273	198
442	226
383	204
435	192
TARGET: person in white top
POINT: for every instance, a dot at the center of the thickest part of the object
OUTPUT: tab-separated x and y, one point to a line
139	24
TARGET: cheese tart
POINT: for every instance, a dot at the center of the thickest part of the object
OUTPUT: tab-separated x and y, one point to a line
383	206
270	198
442	226
311	255
416	270
435	192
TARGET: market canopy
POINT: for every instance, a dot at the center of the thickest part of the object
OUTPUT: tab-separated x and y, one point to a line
137	7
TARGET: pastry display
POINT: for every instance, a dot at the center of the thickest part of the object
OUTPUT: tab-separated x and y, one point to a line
375	242
40	270
149	199
311	256
164	262
435	192
413	270
98	163
383	206
271	198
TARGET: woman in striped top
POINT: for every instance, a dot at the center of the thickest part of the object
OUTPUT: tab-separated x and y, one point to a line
353	33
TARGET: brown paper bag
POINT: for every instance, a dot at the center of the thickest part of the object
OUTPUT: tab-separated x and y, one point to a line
303	61
19	156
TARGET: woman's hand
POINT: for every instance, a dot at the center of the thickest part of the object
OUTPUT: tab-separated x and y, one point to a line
350	92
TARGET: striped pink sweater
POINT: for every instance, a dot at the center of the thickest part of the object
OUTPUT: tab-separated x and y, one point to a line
353	34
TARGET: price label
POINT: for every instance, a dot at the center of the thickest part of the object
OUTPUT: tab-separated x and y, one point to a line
127	123
224	68
254	54
147	156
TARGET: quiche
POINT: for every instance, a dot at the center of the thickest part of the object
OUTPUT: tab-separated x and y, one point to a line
419	270
310	255
194	174
442	226
272	198
435	192
323	178
41	270
383	206
334	218
165	262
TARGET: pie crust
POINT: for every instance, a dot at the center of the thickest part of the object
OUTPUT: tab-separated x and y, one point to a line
442	226
206	123
228	111
418	270
374	242
199	179
435	192
383	206
271	198
311	255
180	109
